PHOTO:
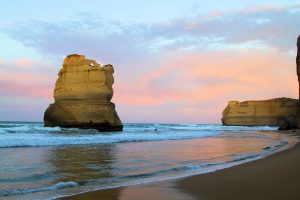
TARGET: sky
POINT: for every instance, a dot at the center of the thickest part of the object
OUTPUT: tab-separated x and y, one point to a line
175	61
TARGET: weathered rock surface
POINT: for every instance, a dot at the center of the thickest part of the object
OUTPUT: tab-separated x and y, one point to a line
82	95
298	74
273	112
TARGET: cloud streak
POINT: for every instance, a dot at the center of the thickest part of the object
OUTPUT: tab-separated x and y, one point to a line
271	26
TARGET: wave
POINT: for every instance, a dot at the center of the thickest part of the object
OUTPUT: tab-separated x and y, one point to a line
25	127
195	127
10	128
56	186
35	134
34	140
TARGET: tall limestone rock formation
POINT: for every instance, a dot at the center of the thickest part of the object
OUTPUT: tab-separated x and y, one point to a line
82	94
273	112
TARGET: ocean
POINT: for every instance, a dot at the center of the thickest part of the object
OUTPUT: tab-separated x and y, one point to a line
47	163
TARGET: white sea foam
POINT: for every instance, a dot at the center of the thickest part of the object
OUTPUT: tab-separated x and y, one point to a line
21	140
199	127
35	134
56	186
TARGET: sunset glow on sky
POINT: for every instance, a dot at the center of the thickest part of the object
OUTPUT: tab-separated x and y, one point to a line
175	61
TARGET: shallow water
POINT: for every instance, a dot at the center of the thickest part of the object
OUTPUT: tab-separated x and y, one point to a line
44	163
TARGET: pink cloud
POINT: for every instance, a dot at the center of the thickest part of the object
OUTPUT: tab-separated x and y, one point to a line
1	61
200	84
255	9
32	81
24	62
27	90
216	14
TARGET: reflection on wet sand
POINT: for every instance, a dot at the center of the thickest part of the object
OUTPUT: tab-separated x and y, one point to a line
83	163
164	190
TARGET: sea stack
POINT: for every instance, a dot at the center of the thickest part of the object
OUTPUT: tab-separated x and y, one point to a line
273	112
82	94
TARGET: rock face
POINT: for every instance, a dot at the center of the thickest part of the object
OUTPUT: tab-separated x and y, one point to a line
273	112
294	122
82	95
298	74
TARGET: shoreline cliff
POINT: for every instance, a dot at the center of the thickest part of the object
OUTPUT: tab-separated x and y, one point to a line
272	112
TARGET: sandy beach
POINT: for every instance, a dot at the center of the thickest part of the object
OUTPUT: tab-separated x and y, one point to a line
274	177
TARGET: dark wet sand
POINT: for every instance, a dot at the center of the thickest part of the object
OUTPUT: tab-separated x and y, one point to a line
271	178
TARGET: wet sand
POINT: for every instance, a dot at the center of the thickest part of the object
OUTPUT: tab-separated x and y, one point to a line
274	177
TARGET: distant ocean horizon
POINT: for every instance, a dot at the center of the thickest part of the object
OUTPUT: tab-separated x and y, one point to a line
39	162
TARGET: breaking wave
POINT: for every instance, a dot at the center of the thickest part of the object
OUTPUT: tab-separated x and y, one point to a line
35	134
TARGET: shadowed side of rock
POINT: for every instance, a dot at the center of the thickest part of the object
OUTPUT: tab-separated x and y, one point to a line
102	117
82	94
294	122
298	75
273	112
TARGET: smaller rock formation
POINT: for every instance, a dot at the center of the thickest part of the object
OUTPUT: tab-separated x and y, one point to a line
82	95
273	112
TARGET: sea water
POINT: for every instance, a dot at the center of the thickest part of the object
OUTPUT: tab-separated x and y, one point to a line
37	162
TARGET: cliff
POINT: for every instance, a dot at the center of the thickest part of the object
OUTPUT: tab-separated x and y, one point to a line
298	74
82	94
294	122
273	112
